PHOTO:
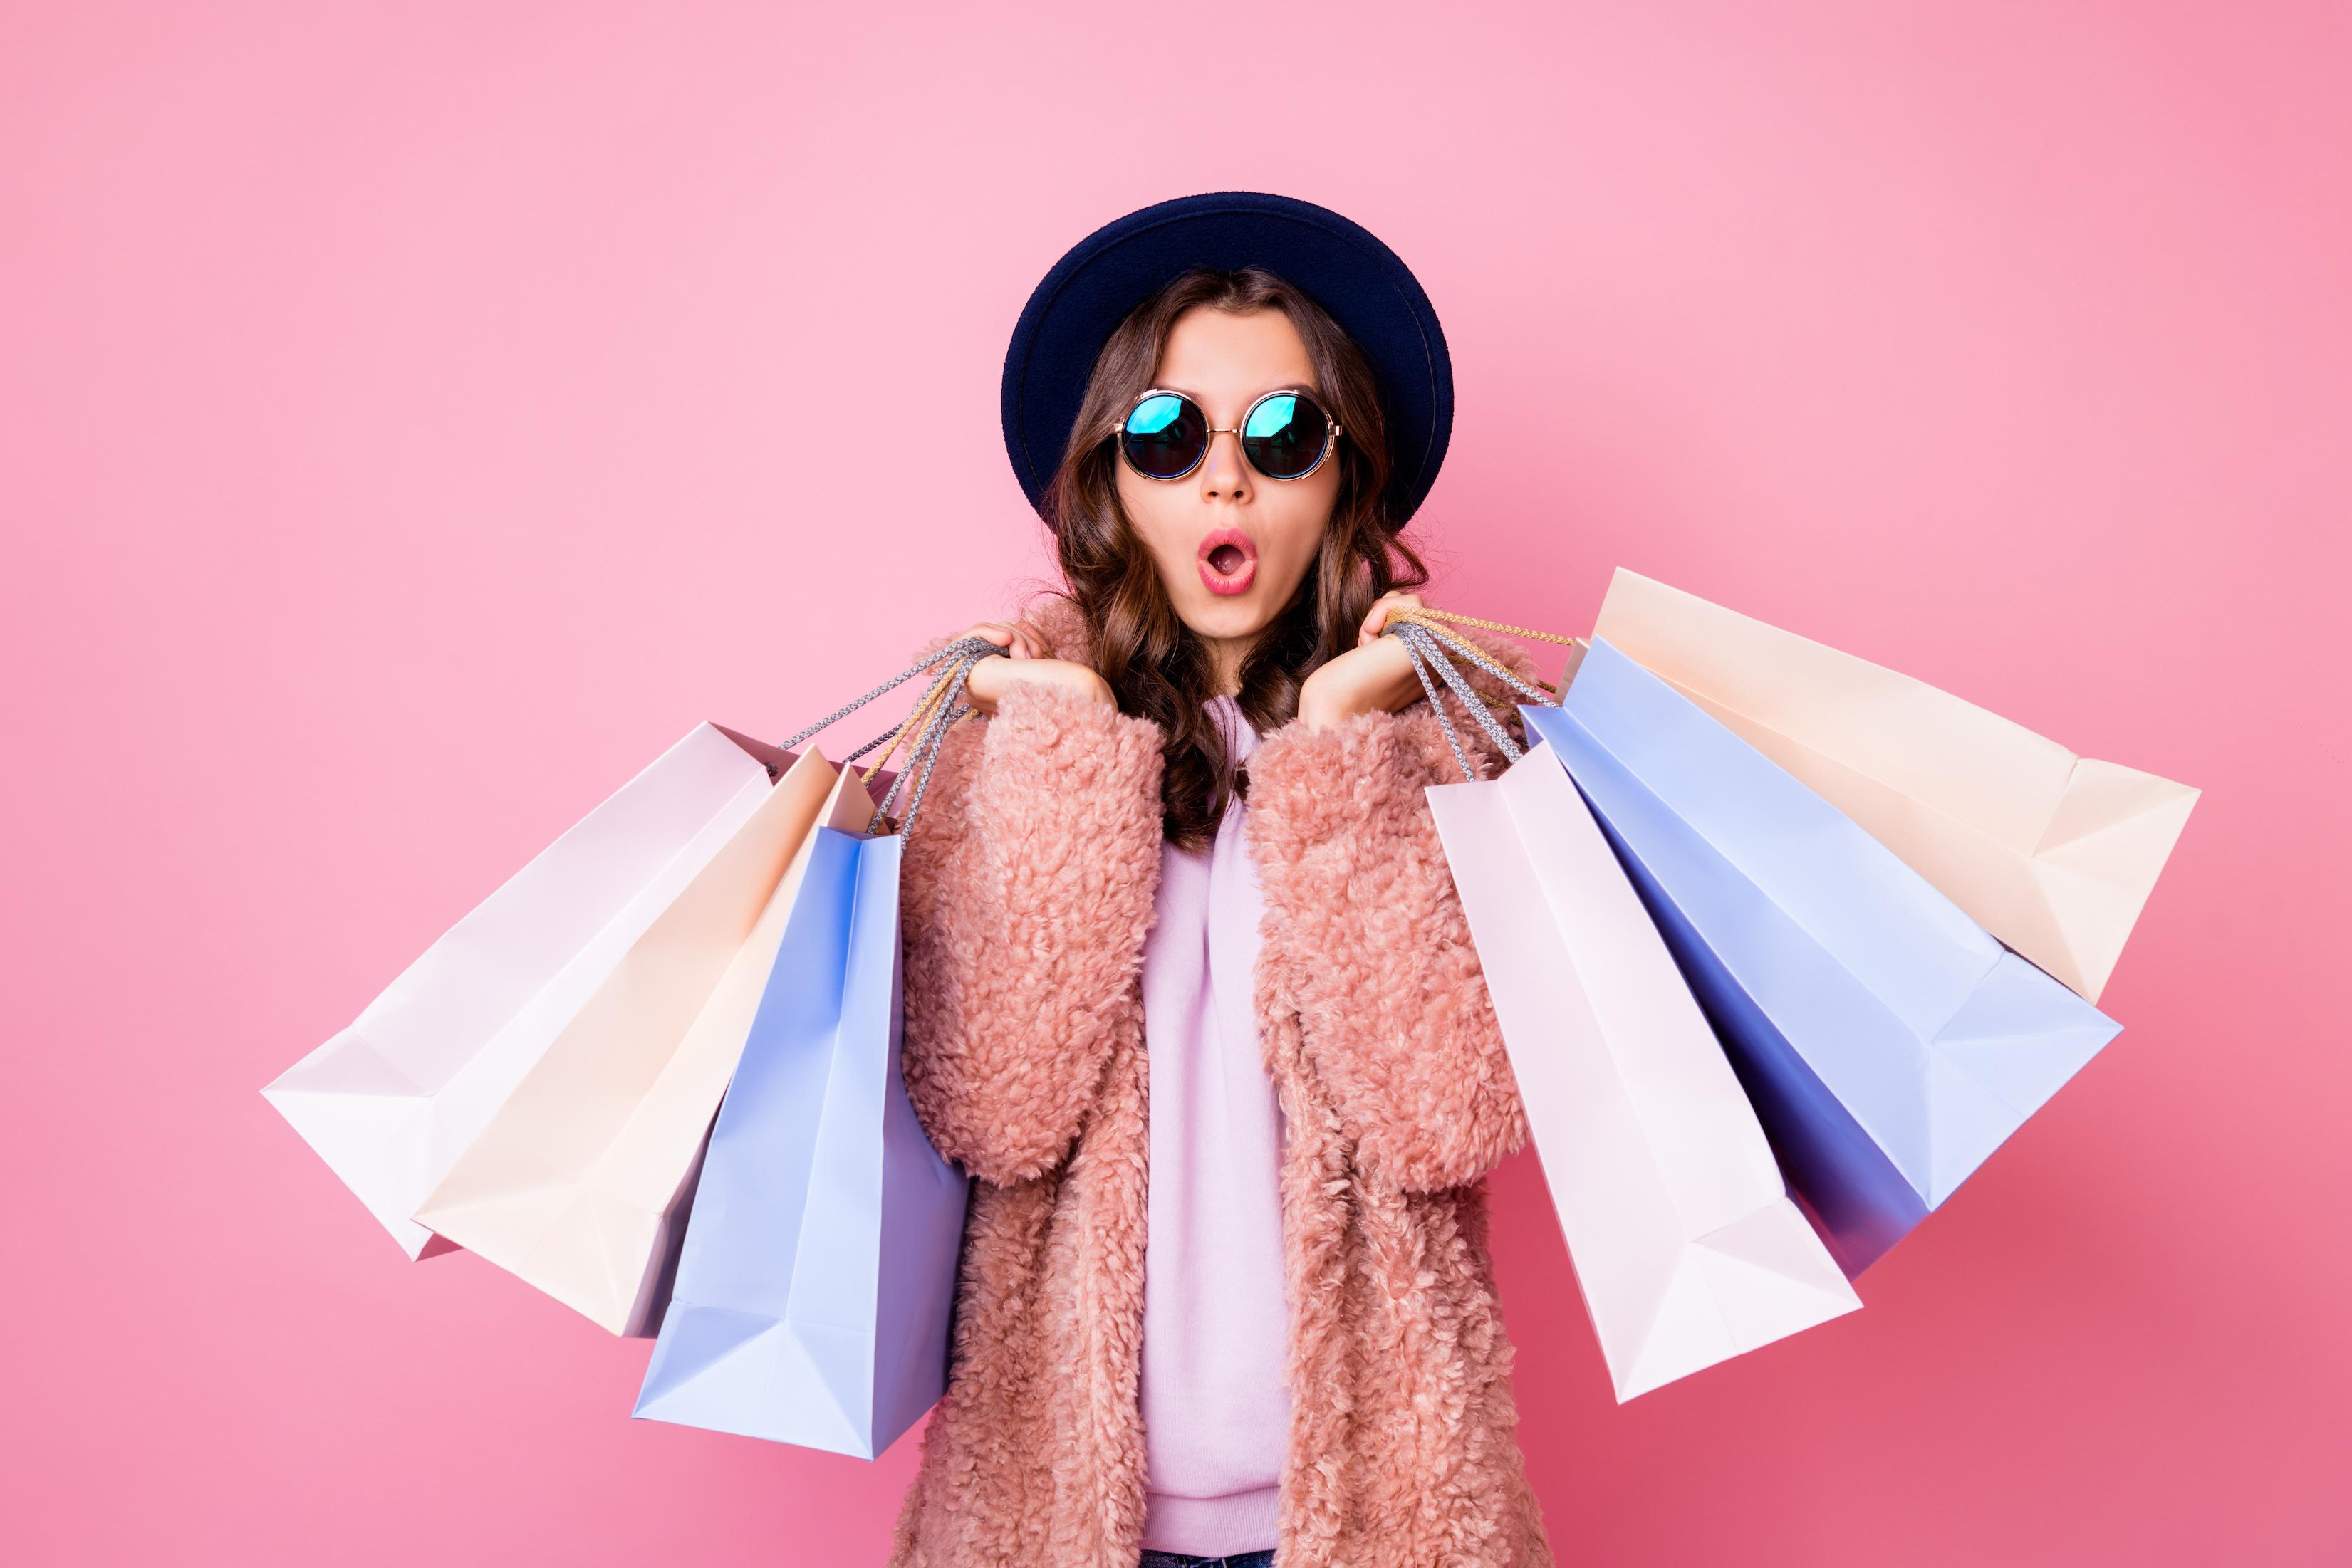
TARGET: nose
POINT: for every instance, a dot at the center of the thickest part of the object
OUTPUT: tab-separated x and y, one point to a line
1224	476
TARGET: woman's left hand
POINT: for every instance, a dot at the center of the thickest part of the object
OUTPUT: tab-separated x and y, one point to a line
1376	676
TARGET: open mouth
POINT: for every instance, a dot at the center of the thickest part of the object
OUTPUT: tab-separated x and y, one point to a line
1228	561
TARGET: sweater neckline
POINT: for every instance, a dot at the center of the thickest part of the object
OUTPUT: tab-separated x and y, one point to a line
1241	736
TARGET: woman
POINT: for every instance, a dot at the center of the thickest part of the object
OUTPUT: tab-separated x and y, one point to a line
1212	1038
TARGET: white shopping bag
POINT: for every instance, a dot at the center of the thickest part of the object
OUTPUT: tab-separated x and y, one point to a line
1686	1245
393	1101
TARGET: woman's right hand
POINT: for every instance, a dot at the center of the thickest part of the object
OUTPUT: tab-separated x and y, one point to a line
1025	660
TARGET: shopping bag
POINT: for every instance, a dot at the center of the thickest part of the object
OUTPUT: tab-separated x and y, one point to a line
817	1279
391	1102
1686	1246
577	1183
1887	1042
2053	854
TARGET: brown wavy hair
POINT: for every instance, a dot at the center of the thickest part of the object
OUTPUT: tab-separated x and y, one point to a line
1156	665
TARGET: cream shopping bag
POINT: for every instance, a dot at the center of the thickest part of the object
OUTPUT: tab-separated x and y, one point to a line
2054	853
391	1102
577	1185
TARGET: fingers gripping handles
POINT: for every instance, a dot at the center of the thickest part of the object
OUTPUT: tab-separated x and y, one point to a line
1427	637
940	708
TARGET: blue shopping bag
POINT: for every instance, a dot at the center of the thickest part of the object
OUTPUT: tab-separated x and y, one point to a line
1888	1044
816	1288
815	1283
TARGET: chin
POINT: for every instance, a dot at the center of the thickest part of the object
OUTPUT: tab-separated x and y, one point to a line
1239	615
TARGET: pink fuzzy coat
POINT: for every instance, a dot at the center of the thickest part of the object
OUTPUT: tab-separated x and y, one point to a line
1029	883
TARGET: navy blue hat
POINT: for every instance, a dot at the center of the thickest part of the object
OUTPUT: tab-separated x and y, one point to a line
1339	265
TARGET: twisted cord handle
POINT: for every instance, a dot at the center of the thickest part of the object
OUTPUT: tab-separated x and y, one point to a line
1425	612
940	708
1442	622
1541	692
958	649
1444	719
915	724
945	712
1428	652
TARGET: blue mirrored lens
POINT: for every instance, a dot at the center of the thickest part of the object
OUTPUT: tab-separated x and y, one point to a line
1153	415
1165	436
1272	419
1285	435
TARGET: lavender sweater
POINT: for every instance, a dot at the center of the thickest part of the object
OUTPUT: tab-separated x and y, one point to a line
1216	1411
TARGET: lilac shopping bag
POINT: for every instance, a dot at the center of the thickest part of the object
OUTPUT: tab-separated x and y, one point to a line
1888	1043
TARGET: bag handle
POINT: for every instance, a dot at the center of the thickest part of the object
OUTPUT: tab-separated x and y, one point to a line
1442	622
1427	653
937	710
1427	637
940	710
916	723
956	649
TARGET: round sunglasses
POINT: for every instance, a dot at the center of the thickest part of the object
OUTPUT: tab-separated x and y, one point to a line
1284	434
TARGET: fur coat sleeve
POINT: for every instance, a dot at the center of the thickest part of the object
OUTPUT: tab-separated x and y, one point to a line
1029	880
1366	941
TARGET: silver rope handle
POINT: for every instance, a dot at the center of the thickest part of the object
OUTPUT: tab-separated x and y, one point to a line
1427	652
928	744
1445	720
976	647
966	652
1477	656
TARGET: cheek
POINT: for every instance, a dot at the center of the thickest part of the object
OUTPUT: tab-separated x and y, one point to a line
1291	522
1162	521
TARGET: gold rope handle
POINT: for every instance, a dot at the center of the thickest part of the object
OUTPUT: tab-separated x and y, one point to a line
913	724
1427	614
1472	652
1436	622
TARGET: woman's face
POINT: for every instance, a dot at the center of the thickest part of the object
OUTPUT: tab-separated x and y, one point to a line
1232	545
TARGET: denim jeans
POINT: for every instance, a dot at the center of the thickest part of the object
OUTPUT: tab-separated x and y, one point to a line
1178	1560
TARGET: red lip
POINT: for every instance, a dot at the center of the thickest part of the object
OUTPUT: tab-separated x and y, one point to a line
1228	561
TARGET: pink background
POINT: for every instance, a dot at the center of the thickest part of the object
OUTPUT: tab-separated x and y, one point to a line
413	417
